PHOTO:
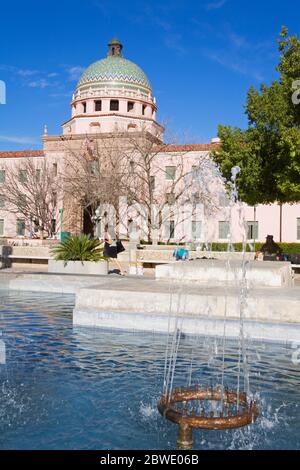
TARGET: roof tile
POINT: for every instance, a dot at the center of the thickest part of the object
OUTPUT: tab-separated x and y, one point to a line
22	154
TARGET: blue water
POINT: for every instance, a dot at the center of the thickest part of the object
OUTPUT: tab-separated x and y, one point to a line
79	388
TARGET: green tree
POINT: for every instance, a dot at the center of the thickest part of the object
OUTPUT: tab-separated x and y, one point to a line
268	151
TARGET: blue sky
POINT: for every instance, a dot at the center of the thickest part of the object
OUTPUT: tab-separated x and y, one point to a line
200	56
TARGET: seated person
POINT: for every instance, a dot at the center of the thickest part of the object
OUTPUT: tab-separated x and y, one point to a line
181	254
271	250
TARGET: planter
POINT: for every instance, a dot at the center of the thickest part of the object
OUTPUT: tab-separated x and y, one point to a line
78	267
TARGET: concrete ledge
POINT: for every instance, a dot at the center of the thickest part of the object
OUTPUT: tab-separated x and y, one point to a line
162	299
230	272
148	305
284	332
44	282
78	267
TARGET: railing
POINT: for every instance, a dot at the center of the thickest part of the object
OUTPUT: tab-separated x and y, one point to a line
107	92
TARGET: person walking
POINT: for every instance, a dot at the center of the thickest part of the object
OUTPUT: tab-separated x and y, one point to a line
113	246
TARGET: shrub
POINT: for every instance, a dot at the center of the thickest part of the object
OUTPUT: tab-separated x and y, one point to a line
216	246
285	247
78	248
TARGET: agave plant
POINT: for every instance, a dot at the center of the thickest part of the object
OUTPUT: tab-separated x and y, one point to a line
78	248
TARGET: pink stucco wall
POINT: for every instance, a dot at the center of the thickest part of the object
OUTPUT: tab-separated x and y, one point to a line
267	216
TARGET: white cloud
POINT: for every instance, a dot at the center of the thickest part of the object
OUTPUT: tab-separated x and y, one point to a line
215	5
174	41
7	68
26	72
239	54
61	95
40	83
234	63
75	72
18	140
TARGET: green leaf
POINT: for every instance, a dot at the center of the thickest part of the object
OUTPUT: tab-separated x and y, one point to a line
78	248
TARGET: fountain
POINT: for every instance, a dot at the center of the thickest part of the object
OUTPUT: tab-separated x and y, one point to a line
236	411
201	407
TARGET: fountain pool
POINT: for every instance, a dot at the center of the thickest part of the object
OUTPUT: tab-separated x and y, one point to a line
65	387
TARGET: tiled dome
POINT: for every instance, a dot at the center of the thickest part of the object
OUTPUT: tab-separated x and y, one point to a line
114	72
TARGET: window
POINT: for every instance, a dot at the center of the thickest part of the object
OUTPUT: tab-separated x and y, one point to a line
130	106
21	201
54	199
170	198
93	167
223	230
195	199
152	183
38	175
84	107
196	229
1	227
170	173
252	230
53	226
223	200
131	163
36	225
170	229
23	176
144	109
54	169
2	176
95	127
20	227
2	201
195	172
98	105
114	105
298	228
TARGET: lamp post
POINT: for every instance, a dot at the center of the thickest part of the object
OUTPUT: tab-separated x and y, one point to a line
60	222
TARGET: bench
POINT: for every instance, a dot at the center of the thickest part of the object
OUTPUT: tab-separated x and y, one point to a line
154	261
25	257
28	259
295	266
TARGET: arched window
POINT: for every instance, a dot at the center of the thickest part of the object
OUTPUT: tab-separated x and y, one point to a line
114	105
98	105
130	106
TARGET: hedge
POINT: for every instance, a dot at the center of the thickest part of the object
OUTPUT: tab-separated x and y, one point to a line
215	246
285	247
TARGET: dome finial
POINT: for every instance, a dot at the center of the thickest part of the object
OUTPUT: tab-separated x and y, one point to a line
115	48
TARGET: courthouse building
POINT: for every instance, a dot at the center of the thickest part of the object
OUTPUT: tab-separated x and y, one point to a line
114	100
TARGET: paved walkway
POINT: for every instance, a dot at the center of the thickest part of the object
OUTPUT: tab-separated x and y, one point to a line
43	268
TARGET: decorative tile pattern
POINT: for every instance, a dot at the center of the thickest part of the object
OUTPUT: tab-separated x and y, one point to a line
114	71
